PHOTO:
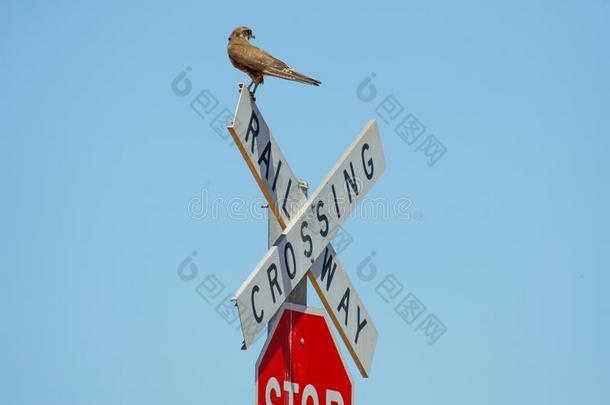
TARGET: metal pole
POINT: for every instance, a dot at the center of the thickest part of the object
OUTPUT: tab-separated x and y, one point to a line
299	294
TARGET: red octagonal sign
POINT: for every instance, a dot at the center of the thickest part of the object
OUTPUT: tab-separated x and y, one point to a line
300	363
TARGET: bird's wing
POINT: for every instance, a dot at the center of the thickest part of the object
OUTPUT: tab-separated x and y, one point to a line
255	58
261	61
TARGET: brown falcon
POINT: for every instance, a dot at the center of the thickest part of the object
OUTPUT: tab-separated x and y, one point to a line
257	63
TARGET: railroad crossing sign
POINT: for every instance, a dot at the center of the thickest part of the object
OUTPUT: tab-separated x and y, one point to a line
300	363
308	227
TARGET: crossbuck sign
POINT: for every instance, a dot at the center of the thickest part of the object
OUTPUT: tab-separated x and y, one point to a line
308	224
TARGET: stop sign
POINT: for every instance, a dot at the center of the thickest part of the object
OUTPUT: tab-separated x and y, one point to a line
300	363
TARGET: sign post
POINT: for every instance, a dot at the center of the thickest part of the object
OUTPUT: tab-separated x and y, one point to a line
299	243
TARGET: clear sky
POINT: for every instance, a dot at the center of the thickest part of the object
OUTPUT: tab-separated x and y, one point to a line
111	180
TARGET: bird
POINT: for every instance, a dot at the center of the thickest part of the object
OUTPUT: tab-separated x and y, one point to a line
258	63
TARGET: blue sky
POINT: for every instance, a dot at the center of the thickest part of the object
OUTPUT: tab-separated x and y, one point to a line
108	177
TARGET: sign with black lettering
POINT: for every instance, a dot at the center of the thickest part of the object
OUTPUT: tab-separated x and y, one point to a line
304	242
279	185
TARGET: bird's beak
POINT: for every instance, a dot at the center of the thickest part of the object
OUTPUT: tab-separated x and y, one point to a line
252	37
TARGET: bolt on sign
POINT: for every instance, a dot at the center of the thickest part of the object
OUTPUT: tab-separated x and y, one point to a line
308	225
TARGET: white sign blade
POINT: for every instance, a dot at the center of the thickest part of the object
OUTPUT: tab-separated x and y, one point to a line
330	280
266	161
309	232
346	308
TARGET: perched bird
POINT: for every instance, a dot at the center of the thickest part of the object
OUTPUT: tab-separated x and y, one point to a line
257	63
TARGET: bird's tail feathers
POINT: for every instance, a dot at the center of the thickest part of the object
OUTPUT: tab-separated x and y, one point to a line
290	74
